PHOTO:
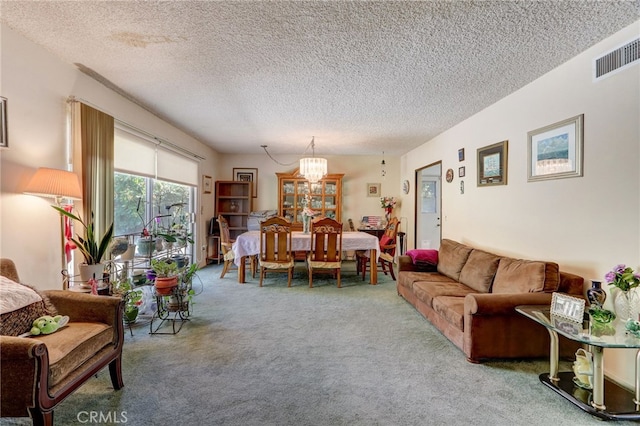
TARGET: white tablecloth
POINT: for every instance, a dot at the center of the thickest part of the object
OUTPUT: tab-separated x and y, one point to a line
248	243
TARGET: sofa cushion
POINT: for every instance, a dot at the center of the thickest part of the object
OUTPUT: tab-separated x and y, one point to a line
423	255
452	257
426	291
450	308
525	276
20	305
479	270
73	345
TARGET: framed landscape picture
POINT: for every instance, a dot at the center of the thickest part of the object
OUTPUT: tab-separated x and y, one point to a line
492	164
555	151
247	175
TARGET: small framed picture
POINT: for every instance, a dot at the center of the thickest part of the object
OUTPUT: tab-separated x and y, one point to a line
4	134
492	164
373	190
461	171
247	175
206	184
555	151
567	307
461	154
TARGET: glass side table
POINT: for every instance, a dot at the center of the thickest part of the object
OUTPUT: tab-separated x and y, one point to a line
606	400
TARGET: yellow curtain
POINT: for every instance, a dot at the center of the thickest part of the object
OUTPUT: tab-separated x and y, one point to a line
93	160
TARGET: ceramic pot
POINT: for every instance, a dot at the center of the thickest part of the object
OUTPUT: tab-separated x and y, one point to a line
91	271
129	253
146	246
165	285
596	294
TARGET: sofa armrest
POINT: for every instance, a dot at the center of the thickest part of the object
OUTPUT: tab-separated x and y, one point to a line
19	348
405	263
22	365
82	307
502	303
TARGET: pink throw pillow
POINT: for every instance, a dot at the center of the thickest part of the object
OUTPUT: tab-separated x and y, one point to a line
423	255
385	241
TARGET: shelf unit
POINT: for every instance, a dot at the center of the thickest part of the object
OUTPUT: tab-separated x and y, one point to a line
234	202
325	195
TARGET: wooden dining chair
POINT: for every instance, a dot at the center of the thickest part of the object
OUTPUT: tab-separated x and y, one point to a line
275	248
326	248
226	244
387	251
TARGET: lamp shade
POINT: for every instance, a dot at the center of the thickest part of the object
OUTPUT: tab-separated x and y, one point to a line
54	183
313	169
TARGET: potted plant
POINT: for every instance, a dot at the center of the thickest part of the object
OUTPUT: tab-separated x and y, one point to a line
132	299
166	275
92	247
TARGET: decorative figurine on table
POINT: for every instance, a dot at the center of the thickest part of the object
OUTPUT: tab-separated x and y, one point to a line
596	296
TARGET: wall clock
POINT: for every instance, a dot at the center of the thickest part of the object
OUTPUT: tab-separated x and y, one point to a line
450	175
405	186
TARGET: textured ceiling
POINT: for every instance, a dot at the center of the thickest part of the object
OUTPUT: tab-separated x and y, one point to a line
362	77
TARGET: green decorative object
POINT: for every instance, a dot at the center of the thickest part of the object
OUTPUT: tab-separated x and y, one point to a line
599	315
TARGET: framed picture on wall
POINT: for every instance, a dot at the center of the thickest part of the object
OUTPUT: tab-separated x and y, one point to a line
247	175
206	184
492	164
4	139
555	151
373	190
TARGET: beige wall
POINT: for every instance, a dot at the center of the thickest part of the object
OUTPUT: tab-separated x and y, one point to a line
36	85
587	224
357	170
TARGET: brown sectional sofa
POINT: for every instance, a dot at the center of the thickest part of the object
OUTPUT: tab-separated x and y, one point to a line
471	297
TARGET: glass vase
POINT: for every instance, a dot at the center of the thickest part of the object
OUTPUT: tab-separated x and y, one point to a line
627	305
306	221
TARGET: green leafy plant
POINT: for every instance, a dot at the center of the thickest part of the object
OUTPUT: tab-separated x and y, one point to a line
623	277
164	267
92	248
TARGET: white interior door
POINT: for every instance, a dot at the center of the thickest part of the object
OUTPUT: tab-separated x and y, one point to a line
428	207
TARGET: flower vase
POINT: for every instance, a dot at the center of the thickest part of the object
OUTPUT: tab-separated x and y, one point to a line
387	213
306	221
627	305
596	294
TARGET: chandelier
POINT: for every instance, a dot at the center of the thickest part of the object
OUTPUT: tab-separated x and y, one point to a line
312	168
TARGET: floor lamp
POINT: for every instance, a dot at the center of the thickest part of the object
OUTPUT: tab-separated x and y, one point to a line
58	184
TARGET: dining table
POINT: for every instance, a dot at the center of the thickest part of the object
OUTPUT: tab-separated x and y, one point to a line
248	244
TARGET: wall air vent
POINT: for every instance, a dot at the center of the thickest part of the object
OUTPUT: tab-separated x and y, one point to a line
617	59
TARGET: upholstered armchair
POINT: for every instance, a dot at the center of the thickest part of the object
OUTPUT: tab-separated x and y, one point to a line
39	372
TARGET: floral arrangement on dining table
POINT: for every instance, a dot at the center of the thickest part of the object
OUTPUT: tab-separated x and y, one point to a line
307	214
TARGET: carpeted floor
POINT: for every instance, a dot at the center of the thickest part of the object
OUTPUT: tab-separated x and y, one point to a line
359	355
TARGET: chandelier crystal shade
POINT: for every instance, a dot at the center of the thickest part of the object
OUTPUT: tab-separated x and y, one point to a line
313	169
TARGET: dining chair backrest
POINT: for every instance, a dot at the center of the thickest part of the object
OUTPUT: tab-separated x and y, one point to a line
224	230
275	240
326	240
388	239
